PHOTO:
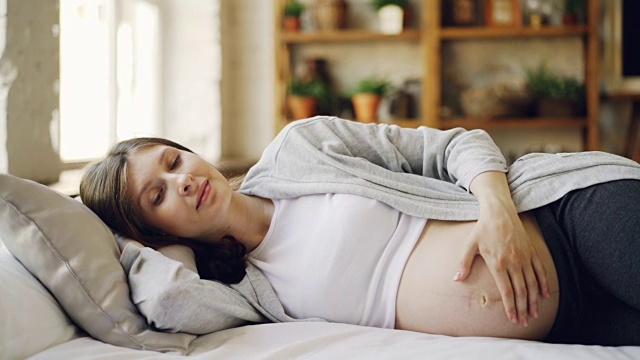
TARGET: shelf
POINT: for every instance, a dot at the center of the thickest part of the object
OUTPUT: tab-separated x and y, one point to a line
408	123
512	123
504	32
346	35
499	123
433	40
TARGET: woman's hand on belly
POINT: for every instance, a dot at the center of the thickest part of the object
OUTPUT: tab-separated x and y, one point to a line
428	301
500	238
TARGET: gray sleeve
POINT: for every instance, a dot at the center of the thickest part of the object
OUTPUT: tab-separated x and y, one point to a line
456	155
175	299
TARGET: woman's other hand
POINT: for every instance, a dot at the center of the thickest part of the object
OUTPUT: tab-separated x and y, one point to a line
500	238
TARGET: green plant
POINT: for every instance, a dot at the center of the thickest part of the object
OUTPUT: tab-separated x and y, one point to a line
378	4
372	85
544	84
573	6
293	8
313	88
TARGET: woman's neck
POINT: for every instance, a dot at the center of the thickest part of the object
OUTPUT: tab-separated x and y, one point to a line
251	219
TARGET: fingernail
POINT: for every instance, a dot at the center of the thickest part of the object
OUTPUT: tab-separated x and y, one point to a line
514	318
525	322
457	276
535	313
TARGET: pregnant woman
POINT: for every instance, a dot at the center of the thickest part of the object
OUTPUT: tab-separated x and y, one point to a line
377	225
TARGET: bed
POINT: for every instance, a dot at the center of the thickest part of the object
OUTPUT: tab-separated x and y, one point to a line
65	296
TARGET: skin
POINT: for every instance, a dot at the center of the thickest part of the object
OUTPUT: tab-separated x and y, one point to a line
500	238
466	308
166	182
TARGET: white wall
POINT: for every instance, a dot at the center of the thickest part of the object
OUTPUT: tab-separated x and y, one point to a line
248	68
191	66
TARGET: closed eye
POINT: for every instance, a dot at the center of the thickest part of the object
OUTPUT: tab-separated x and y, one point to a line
175	163
158	199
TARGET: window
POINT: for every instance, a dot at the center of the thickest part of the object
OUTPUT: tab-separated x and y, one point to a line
119	76
86	73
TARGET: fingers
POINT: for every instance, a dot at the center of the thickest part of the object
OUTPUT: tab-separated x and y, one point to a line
518	288
468	254
532	290
503	281
520	294
541	275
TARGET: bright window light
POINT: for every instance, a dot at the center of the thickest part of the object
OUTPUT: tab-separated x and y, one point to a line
85	72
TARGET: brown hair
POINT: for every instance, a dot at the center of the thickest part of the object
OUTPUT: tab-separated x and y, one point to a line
103	189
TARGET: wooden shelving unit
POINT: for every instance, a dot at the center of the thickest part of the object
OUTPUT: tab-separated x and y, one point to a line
346	35
430	37
451	33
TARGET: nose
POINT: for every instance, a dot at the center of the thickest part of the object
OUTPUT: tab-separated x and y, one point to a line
185	183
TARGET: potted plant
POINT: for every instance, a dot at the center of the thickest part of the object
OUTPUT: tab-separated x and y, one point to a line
573	9
392	15
292	11
556	95
305	96
366	98
330	14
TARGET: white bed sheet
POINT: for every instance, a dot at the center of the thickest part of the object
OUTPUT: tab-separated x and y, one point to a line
340	341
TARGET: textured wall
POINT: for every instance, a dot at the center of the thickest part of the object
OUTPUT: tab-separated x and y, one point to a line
29	89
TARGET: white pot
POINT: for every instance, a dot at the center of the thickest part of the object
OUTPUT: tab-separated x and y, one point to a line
391	19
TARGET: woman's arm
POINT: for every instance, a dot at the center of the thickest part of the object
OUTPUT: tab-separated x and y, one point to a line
500	238
181	253
175	299
318	146
176	252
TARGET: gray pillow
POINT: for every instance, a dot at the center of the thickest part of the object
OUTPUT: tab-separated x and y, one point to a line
75	256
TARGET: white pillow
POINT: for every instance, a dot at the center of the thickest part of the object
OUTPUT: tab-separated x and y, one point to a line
30	318
76	257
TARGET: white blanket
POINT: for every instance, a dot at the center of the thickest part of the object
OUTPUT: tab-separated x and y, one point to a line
340	341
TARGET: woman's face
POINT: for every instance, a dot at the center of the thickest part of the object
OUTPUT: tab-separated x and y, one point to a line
177	192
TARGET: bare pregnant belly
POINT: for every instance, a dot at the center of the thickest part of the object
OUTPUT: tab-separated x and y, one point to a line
430	301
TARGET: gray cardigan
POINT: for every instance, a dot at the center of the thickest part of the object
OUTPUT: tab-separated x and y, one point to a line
423	172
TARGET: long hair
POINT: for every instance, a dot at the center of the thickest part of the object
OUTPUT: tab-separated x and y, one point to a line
103	189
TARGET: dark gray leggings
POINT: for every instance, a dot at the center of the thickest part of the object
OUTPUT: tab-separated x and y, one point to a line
594	238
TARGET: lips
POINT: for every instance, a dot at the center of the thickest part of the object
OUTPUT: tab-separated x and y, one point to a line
203	193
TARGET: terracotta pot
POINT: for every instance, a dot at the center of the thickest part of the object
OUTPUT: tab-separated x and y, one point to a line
366	107
302	107
291	23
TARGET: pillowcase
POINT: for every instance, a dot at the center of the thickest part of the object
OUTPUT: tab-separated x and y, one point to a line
75	256
31	320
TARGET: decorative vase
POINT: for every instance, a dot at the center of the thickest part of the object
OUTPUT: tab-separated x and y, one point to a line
302	107
391	19
330	14
365	106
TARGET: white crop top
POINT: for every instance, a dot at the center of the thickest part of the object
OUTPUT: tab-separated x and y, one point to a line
338	257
